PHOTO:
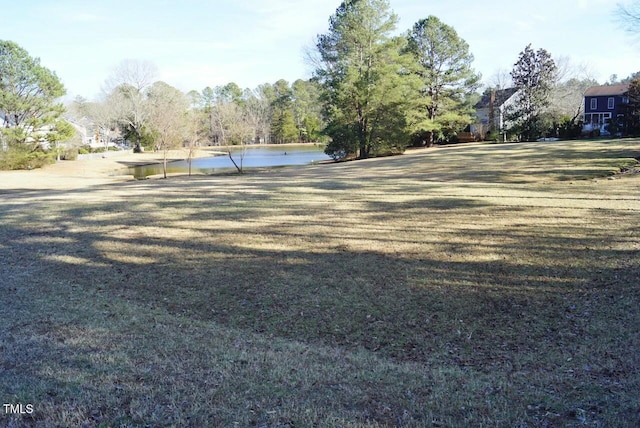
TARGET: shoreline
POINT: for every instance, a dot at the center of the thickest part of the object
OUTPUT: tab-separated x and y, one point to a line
80	173
75	174
217	151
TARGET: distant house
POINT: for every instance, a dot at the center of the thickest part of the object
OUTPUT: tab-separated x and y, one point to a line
490	112
601	103
33	135
83	128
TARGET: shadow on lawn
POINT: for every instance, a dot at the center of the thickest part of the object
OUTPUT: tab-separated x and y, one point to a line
405	306
498	319
254	299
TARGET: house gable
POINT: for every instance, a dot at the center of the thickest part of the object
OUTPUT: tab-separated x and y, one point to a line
491	108
496	98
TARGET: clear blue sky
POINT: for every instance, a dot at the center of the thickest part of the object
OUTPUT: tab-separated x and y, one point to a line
199	43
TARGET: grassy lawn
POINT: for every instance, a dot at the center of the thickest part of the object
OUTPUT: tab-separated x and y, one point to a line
494	286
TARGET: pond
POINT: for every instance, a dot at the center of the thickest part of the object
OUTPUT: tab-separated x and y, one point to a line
255	156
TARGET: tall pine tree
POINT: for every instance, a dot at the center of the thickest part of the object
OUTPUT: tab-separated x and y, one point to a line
367	87
444	66
29	94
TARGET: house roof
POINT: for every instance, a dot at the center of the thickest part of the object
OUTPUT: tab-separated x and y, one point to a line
502	95
598	91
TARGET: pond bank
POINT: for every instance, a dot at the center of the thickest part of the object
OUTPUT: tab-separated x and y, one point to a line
87	172
102	170
254	156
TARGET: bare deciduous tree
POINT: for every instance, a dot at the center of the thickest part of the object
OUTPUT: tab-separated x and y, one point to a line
258	109
628	14
105	116
233	128
127	85
501	79
166	107
196	130
131	72
567	98
230	122
132	110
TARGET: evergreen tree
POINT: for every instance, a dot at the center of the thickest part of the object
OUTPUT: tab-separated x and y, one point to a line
283	126
444	66
306	109
629	123
534	75
365	79
28	97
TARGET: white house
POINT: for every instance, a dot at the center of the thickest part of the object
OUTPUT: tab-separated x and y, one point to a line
491	111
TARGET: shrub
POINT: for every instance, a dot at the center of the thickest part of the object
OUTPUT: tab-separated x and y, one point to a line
336	150
569	129
18	158
70	153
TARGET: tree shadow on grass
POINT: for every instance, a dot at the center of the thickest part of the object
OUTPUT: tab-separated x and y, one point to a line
263	290
186	303
84	291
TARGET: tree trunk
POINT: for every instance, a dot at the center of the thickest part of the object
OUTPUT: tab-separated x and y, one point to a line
362	137
164	164
364	153
239	168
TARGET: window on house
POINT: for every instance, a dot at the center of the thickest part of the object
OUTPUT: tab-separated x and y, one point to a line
594	103
610	103
596	119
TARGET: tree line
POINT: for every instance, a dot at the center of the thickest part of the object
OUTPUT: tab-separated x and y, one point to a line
271	113
372	93
226	115
145	112
156	116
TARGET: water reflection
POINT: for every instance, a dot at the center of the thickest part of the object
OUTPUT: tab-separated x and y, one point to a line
255	156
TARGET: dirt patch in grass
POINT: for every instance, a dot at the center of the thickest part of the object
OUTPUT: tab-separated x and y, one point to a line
476	286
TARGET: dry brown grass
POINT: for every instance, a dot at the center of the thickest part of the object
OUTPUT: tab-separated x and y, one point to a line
462	286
